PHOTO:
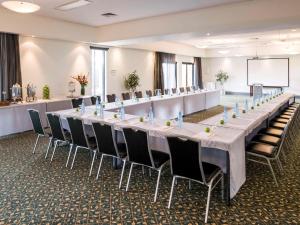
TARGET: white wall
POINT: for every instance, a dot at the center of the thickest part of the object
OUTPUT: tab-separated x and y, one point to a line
52	62
122	61
237	69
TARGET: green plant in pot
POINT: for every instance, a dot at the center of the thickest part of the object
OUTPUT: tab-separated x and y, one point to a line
132	81
221	78
46	92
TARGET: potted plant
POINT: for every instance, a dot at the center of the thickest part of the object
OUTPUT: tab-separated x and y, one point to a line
82	80
132	81
221	78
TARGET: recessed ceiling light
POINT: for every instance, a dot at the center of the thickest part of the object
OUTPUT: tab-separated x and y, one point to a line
223	52
21	6
73	5
109	14
293	53
201	46
238	55
207	34
293	30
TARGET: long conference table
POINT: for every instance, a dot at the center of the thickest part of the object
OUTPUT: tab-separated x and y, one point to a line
223	146
15	119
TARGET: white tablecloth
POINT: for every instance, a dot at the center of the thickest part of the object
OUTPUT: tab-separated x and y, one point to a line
194	103
212	98
167	107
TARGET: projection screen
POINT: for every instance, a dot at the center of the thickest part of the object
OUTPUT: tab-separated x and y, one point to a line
270	72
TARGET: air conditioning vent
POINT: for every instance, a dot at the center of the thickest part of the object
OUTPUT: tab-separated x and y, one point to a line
109	14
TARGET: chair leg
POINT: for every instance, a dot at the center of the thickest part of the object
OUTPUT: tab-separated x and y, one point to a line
129	176
272	171
123	168
222	184
171	193
99	167
208	201
70	151
76	149
36	142
92	164
50	141
157	185
55	146
279	165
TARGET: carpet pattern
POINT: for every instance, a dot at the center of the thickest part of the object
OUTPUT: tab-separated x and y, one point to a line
33	191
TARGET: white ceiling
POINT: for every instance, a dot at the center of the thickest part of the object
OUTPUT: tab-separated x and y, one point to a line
125	9
285	38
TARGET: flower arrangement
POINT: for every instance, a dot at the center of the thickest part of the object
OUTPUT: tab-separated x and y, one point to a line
222	77
132	81
82	80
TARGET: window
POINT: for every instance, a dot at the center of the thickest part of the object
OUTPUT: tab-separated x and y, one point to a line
187	75
99	71
169	70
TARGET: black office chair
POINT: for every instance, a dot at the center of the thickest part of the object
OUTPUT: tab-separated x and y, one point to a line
76	102
157	91
181	89
59	135
94	99
105	139
174	90
149	93
80	140
38	128
188	89
126	96
166	91
139	94
139	153
186	163
111	98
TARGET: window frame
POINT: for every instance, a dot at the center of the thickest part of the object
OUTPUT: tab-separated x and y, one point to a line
186	72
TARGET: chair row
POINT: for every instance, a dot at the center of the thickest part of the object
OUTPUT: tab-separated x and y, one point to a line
272	142
184	158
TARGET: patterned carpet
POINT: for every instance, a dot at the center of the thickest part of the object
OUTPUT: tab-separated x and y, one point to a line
33	191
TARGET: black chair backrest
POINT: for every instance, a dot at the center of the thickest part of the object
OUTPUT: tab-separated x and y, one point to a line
174	90
111	98
185	158
139	94
94	99
55	126
125	96
149	93
137	146
76	102
166	91
157	91
188	89
181	89
104	134
36	121
77	132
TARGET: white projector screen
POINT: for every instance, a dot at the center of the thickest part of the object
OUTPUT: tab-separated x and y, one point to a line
272	72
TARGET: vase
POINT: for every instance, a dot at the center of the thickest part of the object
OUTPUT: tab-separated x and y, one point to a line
82	90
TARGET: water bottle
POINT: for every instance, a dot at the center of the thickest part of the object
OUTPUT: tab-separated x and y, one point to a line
82	108
236	109
151	115
180	119
97	107
225	114
122	112
101	111
246	105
